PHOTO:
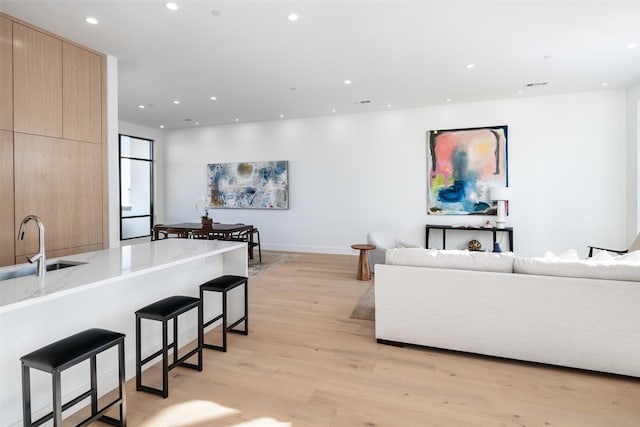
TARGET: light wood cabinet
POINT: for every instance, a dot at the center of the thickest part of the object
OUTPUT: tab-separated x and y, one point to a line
60	181
81	94
37	82
7	225
6	74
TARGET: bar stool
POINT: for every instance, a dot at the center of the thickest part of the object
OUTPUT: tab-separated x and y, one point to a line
223	285
65	353
165	310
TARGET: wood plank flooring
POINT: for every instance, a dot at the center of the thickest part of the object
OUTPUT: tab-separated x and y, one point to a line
306	363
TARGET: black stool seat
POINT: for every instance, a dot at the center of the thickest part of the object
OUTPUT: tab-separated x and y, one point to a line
65	353
222	285
165	310
71	350
168	307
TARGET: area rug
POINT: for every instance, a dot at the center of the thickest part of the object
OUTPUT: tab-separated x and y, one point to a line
270	260
366	308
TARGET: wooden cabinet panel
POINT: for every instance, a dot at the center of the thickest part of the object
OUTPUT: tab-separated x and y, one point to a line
81	94
60	181
6	74
7	226
37	82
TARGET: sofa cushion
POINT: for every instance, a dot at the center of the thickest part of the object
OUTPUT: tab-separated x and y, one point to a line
631	256
589	269
451	259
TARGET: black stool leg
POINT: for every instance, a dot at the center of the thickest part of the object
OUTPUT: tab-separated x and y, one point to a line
94	385
224	321
57	399
121	388
200	335
138	356
246	302
165	361
26	395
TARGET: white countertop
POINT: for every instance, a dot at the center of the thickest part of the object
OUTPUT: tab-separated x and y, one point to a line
104	267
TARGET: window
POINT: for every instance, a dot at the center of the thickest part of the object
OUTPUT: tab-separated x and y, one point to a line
136	187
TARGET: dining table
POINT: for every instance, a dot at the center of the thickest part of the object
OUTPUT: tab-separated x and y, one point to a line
220	231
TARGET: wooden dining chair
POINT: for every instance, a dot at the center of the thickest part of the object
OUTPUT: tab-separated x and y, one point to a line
177	233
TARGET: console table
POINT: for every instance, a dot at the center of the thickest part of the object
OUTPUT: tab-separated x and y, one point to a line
444	228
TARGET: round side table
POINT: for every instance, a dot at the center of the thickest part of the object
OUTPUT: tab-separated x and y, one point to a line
364	272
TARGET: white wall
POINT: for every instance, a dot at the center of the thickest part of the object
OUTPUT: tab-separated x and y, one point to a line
350	174
633	161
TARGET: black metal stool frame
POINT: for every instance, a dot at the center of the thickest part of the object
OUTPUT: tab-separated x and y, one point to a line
59	407
166	367
225	328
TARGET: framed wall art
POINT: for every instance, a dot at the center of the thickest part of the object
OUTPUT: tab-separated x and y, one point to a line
249	185
463	166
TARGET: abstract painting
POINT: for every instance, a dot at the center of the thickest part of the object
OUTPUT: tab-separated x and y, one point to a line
463	165
258	185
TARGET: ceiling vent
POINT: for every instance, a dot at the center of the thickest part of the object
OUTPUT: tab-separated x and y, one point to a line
188	120
364	101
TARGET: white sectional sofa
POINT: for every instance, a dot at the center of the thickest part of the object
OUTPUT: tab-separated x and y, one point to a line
518	308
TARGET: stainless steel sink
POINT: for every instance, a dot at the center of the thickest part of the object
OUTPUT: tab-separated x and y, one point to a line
31	269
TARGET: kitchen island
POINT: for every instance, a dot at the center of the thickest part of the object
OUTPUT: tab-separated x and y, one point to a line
103	293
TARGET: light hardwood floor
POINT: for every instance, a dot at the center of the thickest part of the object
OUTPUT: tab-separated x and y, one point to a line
306	363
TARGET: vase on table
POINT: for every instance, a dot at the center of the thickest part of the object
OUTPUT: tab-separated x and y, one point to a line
207	222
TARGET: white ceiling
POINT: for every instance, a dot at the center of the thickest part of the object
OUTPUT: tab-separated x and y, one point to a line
403	53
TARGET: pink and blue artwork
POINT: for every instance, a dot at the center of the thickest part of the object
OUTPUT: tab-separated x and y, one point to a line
463	165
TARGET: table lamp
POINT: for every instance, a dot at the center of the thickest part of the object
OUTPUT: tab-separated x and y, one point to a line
501	194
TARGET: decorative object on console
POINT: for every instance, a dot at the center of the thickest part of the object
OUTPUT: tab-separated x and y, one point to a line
257	185
501	195
474	245
464	165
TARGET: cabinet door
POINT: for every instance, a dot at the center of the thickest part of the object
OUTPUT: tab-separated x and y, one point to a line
81	94
37	82
7	226
60	181
6	74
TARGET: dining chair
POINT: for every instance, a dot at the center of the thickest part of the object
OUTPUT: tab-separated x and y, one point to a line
247	236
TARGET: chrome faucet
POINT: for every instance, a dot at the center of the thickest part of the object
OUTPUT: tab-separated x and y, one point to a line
40	256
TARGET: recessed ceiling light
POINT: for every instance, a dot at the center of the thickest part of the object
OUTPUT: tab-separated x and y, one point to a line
293	17
237	120
281	115
605	83
333	111
176	102
448	99
171	6
213	98
632	45
197	123
520	92
470	66
347	82
161	126
140	106
91	20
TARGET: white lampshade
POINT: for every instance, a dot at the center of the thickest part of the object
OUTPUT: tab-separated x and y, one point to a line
500	193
